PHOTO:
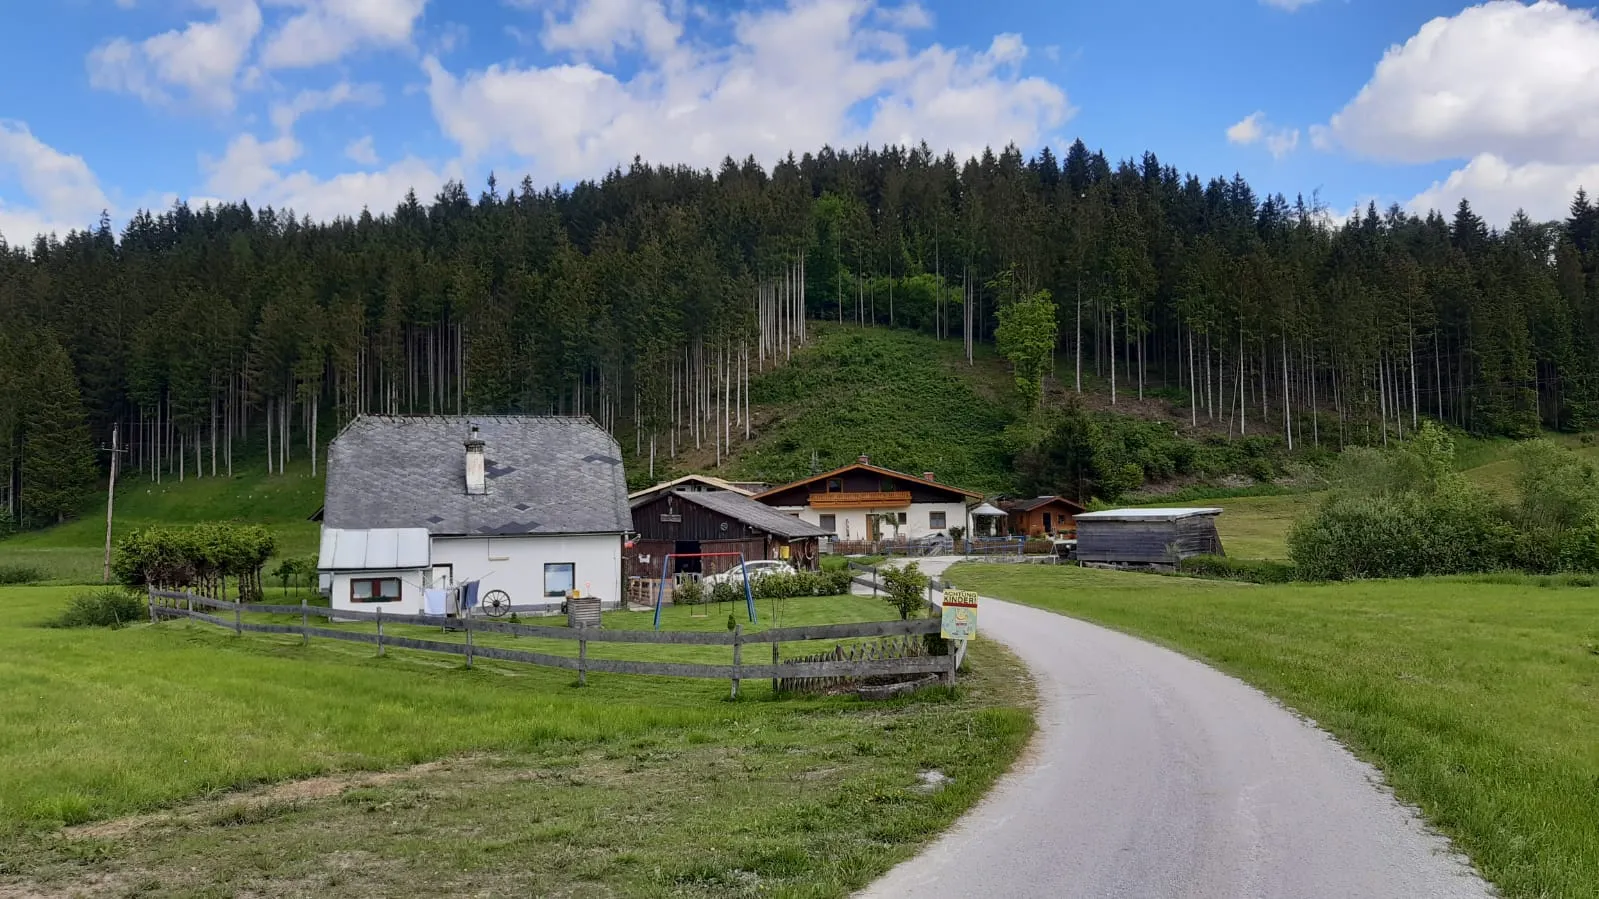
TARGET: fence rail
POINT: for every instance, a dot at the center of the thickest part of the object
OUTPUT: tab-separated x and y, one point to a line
166	605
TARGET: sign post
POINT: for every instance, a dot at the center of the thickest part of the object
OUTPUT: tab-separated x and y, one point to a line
959	625
960	615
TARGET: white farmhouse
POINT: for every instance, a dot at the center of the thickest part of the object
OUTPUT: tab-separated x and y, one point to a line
534	506
862	501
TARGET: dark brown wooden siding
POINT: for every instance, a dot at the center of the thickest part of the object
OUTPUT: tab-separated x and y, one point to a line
1146	542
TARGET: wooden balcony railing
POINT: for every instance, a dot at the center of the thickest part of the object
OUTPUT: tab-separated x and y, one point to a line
885	499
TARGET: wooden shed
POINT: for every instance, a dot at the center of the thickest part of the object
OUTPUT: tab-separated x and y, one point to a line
716	521
1041	516
1146	538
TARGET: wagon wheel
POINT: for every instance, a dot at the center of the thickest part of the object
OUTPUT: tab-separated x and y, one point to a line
496	603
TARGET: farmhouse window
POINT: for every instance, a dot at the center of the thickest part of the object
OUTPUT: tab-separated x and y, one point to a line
559	578
830	522
889	486
834	485
902	518
375	589
935	520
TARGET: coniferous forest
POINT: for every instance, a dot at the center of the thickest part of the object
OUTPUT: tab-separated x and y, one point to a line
648	299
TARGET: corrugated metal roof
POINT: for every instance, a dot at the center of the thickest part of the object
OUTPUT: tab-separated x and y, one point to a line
758	515
1146	514
372	549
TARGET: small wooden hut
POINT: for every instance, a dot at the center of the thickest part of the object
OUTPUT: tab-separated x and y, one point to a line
1041	516
1146	538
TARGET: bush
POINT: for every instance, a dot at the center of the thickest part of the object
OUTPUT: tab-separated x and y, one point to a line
691	593
1226	568
102	608
833	583
907	589
202	558
727	592
19	574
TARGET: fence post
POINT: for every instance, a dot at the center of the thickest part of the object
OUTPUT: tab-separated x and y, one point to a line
305	623
774	664
954	663
188	598
582	656
469	639
380	631
238	617
150	594
738	654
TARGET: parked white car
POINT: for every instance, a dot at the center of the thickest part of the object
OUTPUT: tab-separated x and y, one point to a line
755	570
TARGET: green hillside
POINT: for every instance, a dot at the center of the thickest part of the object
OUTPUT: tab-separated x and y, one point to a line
282	503
910	402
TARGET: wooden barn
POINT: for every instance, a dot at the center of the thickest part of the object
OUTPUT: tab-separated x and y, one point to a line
1041	516
1146	538
716	521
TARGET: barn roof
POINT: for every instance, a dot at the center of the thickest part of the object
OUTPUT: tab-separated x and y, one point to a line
1028	505
1148	514
875	469
545	475
758	515
650	493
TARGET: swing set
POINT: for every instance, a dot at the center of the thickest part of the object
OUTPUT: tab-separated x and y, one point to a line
666	569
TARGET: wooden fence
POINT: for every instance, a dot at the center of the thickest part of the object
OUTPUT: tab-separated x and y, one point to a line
886	648
165	605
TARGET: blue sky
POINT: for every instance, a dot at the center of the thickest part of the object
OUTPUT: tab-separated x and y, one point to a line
327	106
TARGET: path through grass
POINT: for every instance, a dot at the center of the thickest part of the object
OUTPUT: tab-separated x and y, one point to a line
1477	698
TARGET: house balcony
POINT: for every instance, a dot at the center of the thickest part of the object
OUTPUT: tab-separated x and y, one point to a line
883	499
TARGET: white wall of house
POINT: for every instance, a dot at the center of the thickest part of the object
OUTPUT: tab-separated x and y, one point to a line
516	564
410	591
850	524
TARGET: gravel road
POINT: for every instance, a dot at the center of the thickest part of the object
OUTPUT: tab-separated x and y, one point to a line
1153	775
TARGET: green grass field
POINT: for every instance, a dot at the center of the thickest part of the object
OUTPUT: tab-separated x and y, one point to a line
628	787
1477	698
73	553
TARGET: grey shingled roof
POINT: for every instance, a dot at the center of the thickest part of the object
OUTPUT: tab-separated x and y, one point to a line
546	475
739	507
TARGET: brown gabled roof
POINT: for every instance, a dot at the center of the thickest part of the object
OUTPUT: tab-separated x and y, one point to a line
887	472
1028	505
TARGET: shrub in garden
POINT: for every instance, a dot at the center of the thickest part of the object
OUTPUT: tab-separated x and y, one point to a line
907	589
202	558
691	593
110	607
727	592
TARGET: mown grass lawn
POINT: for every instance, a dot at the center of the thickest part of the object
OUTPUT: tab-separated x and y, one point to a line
1478	698
628	787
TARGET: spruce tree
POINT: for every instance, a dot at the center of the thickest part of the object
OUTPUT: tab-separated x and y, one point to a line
57	457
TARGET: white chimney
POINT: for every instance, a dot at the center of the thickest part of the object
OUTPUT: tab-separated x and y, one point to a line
476	484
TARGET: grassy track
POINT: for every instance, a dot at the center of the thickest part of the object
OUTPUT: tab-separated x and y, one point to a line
1478	698
630	787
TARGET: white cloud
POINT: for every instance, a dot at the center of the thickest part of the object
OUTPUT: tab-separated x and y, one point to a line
62	193
1498	189
909	16
259	171
284	115
1521	82
325	30
793	78
1289	5
203	59
601	27
1254	128
1247	131
1513	88
362	152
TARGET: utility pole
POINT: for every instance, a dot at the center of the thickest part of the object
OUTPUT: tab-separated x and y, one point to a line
110	498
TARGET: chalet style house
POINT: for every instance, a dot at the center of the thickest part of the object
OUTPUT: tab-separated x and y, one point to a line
862	501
